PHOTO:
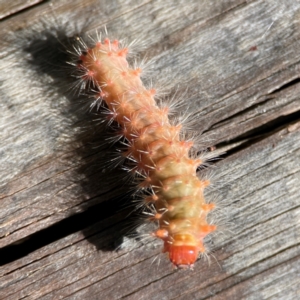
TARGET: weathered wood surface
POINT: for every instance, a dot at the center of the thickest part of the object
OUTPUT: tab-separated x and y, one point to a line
7	8
59	217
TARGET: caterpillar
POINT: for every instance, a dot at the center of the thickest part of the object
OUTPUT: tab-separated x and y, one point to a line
163	159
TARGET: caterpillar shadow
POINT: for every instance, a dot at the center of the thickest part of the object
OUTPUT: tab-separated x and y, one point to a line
104	204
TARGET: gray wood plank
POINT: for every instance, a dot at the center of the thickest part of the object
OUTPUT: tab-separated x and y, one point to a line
240	62
8	8
254	261
46	106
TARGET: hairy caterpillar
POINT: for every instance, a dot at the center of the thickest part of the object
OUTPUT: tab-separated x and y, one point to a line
162	158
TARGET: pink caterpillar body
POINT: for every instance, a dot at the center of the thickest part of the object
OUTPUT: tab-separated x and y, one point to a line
157	148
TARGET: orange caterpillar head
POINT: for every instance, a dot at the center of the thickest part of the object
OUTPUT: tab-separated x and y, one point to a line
183	256
183	250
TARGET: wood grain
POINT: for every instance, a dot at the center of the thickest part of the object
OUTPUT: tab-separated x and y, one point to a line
63	211
7	8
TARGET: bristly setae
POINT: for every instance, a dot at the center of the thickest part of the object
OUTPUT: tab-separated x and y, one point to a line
162	158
